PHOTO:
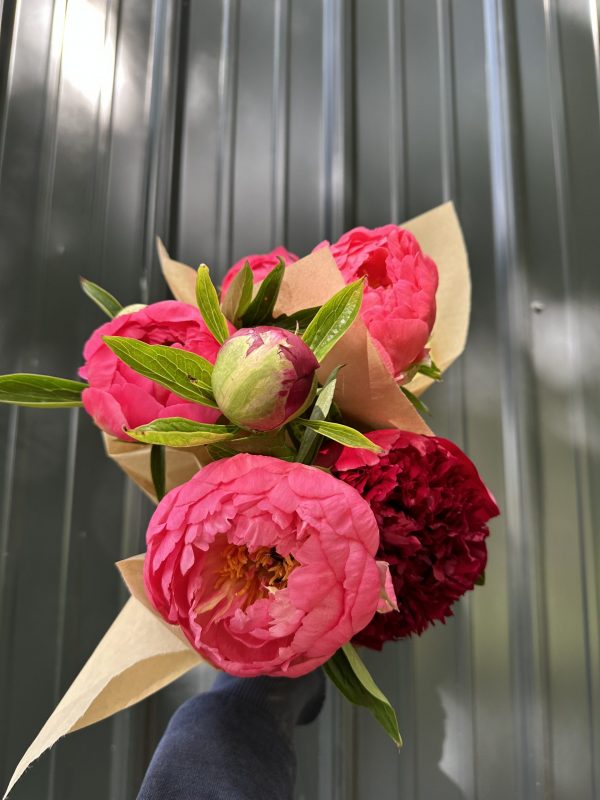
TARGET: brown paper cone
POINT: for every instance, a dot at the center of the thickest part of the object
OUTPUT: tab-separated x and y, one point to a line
440	236
180	278
134	459
138	656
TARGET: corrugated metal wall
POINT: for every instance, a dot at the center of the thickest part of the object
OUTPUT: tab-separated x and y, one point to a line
228	127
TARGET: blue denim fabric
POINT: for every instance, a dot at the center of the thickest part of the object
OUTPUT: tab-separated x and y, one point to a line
234	742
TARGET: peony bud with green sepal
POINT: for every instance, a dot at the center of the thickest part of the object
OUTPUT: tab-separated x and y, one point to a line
264	377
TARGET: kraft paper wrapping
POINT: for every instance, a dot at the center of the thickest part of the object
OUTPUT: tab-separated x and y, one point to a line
439	233
140	653
134	459
137	657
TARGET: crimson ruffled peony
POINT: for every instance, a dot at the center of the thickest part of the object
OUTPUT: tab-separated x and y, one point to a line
260	264
118	397
267	566
432	509
399	300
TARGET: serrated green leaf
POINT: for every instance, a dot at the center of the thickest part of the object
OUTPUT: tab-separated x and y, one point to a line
261	308
239	295
311	440
349	674
180	432
103	299
333	319
299	320
339	433
185	374
208	303
40	391
157	469
417	403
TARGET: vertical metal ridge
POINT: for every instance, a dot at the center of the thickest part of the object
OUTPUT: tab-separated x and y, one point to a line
8	43
532	748
7	491
182	43
154	100
63	577
447	80
6	593
408	779
280	123
337	148
576	406
398	141
225	172
595	31
104	131
47	169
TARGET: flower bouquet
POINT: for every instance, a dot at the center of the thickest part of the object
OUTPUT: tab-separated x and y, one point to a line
304	506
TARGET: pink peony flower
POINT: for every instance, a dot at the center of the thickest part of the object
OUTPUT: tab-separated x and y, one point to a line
432	509
118	396
267	566
260	264
399	301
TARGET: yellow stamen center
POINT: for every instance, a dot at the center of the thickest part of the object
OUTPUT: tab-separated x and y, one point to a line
254	575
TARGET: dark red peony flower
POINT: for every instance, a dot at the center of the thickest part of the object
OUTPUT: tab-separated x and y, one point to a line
432	509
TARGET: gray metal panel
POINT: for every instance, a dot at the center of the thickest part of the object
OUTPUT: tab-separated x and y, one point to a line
229	127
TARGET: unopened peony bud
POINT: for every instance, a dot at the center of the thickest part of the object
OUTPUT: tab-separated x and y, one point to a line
264	377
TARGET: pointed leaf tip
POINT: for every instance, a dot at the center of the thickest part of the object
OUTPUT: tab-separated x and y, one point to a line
208	303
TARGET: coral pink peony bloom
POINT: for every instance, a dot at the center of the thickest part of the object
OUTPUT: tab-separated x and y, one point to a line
399	301
260	264
268	566
118	396
432	509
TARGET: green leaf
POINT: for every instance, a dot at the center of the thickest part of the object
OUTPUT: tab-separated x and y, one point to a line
157	469
299	320
180	432
283	452
274	443
333	319
239	295
339	433
480	580
417	403
103	299
208	303
347	671
261	308
40	391
186	374
311	440
219	451
431	370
